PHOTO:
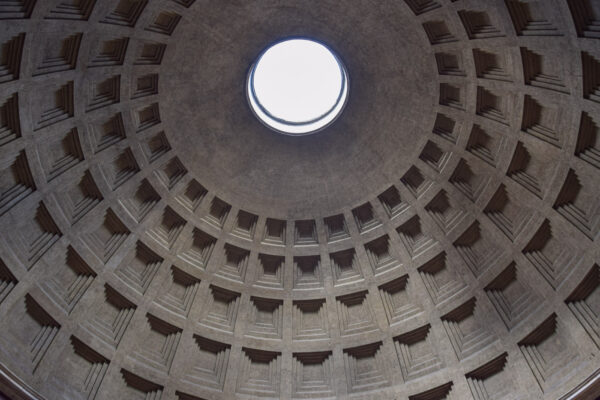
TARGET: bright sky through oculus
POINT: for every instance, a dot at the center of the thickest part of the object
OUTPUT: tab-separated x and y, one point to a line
297	86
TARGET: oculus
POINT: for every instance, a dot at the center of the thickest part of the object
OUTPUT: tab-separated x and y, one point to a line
297	86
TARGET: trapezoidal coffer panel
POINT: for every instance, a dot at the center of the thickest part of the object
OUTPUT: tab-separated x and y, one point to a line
439	240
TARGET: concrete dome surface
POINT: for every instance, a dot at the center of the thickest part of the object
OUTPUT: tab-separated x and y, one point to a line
439	240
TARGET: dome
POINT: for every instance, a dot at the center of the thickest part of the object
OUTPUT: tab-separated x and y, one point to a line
438	239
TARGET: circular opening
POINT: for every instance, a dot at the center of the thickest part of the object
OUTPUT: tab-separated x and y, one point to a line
297	86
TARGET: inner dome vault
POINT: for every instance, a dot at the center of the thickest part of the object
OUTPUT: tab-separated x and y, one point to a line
438	240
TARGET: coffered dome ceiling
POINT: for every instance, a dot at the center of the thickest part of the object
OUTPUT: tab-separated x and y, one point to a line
438	241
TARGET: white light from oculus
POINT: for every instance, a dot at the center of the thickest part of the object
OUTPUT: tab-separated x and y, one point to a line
297	86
